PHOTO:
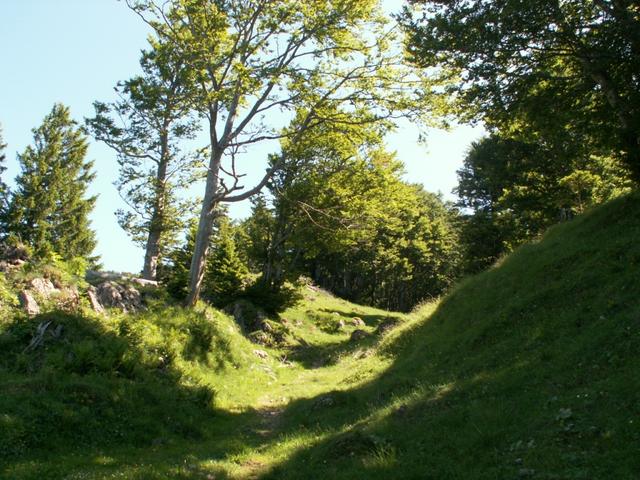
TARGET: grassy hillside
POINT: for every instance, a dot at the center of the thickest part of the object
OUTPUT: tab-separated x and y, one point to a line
529	370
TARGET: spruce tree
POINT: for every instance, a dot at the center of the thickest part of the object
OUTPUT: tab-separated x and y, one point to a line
4	190
226	273
49	209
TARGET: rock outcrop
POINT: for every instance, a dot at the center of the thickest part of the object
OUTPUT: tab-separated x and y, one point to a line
114	295
28	303
358	335
94	301
43	287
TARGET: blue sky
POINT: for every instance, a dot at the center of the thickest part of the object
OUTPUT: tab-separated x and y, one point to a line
75	51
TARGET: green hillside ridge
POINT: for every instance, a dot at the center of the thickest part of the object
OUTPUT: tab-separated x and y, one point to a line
528	370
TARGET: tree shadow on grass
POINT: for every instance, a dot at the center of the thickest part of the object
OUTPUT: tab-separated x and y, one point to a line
313	356
371	320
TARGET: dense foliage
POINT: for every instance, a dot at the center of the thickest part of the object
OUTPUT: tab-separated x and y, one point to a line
357	229
226	273
556	70
514	191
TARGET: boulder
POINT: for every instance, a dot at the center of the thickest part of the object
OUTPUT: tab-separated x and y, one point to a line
358	335
43	287
113	295
132	298
143	282
14	254
68	299
249	317
96	277
28	303
6	266
357	322
324	401
387	325
96	306
261	353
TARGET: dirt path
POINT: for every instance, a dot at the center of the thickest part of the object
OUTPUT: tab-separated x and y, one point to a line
269	415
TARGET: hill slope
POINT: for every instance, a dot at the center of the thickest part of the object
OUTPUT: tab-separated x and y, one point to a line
529	370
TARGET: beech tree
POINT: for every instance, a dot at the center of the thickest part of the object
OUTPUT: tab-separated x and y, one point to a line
146	127
516	190
539	69
355	228
49	209
258	61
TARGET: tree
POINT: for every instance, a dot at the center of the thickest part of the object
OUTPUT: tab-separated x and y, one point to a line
173	270
226	273
392	244
49	209
255	232
344	217
515	190
145	127
265	58
540	69
4	190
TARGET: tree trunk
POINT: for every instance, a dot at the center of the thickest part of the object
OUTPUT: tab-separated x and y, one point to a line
157	223
151	255
273	271
205	228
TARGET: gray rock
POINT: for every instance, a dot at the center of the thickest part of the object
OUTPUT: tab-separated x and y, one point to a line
526	472
387	325
132	298
43	287
68	299
357	322
96	306
261	353
143	282
28	303
96	277
113	295
358	335
248	316
109	295
324	401
14	254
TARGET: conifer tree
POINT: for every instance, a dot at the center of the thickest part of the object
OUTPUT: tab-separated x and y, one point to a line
49	209
173	270
4	190
226	272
